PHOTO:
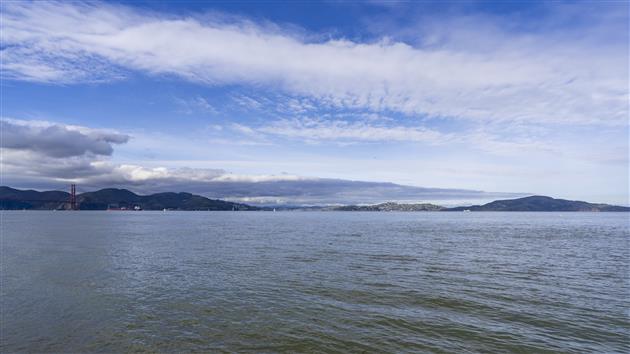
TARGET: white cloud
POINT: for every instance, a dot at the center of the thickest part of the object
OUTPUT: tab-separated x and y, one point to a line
229	177
536	77
136	174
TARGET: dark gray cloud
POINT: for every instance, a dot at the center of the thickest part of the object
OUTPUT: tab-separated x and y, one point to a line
58	141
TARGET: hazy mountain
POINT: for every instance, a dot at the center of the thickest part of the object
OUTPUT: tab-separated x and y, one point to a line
389	207
540	203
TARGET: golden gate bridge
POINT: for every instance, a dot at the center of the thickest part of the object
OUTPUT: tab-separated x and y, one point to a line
71	201
73	197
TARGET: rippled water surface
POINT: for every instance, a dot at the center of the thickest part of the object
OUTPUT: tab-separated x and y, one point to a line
314	282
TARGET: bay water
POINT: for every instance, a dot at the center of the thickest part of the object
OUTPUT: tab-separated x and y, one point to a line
314	282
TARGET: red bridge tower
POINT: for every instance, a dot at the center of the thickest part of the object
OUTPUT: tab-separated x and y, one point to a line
73	197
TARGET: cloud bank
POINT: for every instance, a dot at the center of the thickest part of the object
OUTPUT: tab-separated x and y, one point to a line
49	154
553	77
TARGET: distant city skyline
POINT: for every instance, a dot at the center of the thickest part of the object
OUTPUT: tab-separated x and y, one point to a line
319	102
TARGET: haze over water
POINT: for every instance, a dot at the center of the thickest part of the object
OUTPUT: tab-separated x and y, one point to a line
315	282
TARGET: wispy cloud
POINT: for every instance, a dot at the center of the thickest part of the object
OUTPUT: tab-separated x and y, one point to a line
312	129
381	130
533	77
196	104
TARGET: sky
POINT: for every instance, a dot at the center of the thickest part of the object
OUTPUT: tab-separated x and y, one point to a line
308	103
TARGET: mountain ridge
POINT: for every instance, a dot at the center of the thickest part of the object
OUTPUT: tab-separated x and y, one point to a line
112	198
540	203
115	198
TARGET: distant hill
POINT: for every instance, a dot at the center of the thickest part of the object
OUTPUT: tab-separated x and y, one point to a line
389	207
29	199
15	199
540	203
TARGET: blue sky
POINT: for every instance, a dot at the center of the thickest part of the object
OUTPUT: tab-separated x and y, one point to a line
287	102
